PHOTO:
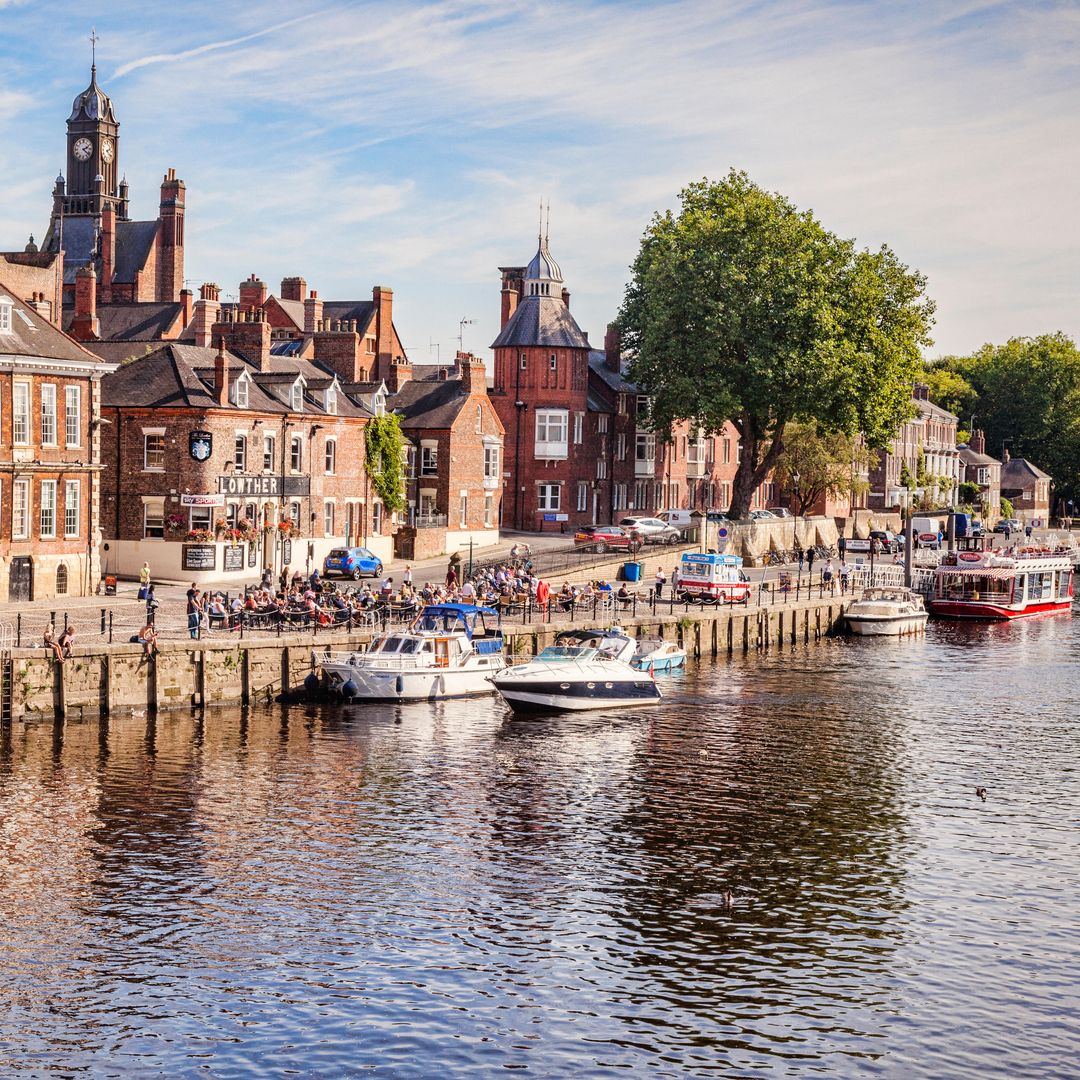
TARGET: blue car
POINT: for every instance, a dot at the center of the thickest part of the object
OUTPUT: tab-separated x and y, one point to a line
352	562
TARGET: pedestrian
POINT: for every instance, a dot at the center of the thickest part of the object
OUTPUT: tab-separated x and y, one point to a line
144	580
841	547
810	561
1008	531
451	577
407	576
674	580
827	575
845	570
661	581
802	558
1027	531
194	611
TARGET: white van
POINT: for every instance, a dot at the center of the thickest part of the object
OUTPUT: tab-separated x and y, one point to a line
926	532
681	519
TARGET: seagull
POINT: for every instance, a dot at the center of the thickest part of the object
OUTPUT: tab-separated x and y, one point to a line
981	792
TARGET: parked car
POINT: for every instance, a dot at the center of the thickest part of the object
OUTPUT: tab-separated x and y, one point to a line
681	519
608	537
718	517
779	511
1012	524
761	515
652	530
976	528
888	541
356	562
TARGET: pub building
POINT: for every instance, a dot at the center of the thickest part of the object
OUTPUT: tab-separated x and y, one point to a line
220	462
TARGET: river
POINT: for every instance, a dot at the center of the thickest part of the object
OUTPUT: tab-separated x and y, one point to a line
423	891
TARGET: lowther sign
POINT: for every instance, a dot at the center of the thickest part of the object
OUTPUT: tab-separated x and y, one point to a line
271	485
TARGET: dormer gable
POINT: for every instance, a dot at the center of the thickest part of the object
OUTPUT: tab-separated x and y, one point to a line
241	390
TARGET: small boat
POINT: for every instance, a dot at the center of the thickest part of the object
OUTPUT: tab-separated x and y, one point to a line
448	650
1029	580
655	654
887	611
584	669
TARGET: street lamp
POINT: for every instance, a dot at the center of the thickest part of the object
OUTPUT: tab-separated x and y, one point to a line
798	508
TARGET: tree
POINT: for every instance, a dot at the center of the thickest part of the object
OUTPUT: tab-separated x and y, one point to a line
950	389
743	308
384	459
826	463
1006	508
970	492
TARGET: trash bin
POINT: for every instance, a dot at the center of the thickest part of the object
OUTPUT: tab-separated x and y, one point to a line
632	571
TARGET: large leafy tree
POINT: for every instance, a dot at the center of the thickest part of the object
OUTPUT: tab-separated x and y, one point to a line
826	463
1028	398
743	308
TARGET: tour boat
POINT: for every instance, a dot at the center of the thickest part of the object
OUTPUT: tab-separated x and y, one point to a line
655	654
886	611
584	669
448	650
1008	584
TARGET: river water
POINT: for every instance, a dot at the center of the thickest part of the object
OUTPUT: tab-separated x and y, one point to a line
425	891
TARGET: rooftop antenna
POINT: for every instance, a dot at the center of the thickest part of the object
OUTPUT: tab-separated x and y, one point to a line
540	232
94	39
433	344
461	332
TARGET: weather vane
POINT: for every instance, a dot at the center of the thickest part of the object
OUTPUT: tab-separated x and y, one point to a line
94	39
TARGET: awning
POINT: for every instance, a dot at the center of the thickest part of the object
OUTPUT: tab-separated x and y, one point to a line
999	572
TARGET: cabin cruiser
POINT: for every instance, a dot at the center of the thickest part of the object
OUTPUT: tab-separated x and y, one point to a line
887	611
1030	579
584	669
448	650
655	654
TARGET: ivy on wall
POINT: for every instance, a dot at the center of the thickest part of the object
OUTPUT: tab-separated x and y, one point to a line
385	447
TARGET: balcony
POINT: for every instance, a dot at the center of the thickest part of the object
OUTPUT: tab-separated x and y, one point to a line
431	521
491	483
645	467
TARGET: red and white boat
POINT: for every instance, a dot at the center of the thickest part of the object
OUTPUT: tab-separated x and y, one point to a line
1003	584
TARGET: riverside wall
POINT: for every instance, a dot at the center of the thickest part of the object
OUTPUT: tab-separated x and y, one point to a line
100	680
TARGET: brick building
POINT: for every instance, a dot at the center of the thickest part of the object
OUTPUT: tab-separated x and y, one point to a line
1028	488
977	467
49	455
579	449
135	262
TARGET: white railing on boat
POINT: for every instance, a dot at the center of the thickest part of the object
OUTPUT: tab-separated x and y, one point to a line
399	661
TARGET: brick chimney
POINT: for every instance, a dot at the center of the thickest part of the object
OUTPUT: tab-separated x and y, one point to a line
612	354
978	442
108	252
472	372
337	345
400	374
221	376
293	288
566	297
248	334
185	306
921	392
170	270
513	282
312	313
252	293
207	313
383	298
85	325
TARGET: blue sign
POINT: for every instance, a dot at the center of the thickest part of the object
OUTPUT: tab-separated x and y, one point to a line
721	532
549	517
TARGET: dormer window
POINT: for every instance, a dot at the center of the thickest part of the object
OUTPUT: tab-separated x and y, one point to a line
331	400
240	392
5	315
378	404
296	396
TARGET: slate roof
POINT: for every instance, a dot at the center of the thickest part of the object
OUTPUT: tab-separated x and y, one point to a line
134	240
429	404
972	457
928	408
32	335
133	322
615	380
542	320
182	376
363	311
1019	473
294	309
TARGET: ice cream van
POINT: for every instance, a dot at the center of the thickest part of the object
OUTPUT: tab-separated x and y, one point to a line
713	579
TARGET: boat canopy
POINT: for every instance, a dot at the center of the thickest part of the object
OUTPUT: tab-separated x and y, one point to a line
450	617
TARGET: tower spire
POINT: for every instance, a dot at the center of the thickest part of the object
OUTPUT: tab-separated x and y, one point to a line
547	228
94	39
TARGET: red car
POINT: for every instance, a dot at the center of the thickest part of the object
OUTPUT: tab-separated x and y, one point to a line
604	537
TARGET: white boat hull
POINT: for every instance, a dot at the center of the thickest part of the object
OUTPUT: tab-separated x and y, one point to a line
523	698
415	684
886	625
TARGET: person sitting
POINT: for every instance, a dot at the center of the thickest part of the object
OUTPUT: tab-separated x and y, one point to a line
67	639
147	638
603	586
216	612
623	595
50	643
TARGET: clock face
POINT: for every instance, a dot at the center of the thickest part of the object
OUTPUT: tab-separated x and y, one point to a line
107	150
83	149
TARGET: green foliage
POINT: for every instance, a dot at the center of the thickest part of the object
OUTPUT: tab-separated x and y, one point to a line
949	389
906	479
970	492
921	475
1028	396
743	308
1006	508
827	463
385	446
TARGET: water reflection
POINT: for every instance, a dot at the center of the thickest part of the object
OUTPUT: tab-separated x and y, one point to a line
763	874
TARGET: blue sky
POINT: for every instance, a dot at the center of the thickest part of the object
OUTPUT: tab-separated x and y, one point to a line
408	143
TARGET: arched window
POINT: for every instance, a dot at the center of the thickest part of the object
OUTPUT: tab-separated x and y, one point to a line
61	580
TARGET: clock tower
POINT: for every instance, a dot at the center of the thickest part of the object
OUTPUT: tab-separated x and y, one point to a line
93	149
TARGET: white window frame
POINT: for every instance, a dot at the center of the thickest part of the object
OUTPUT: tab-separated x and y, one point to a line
329	513
269	452
601	468
71	509
20	510
602	423
296	453
330	457
331	400
5	315
73	416
582	496
553	362
158	505
479	419
201	517
296	397
523	361
47	510
549	497
489	511
48	414
429	459
376	516
463	512
240	392
491	462
620	446
20	412
579	426
240	452
552	430
153	433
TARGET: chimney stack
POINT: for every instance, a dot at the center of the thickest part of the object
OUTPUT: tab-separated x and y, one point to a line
312	314
339	350
221	376
185	307
252	293
513	283
978	442
383	298
108	251
293	288
922	392
612	354
85	325
400	374
1006	457
566	297
472	373
249	336
207	313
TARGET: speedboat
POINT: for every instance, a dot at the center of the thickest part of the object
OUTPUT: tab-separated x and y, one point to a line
887	611
584	669
448	650
655	654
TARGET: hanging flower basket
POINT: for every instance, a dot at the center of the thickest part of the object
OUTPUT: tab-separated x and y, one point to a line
199	536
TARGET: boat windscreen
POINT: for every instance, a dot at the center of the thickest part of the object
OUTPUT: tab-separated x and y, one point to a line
565	652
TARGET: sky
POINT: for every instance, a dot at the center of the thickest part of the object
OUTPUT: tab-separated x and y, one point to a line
409	143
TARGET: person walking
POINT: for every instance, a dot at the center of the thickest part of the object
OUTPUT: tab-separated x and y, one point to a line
407	576
802	557
194	611
661	581
827	575
144	580
451	577
810	561
845	570
841	547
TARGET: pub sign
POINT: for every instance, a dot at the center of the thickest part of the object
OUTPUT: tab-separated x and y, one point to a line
201	445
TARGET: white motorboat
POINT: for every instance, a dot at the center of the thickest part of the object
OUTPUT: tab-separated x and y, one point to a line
887	611
448	650
584	669
655	654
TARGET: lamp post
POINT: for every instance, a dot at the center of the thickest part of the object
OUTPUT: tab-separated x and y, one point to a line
798	514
